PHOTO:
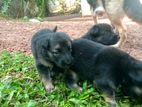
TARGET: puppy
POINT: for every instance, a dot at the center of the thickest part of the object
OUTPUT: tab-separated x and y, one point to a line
51	50
108	68
102	33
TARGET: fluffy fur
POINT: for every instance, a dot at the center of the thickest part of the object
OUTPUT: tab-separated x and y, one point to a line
51	51
107	68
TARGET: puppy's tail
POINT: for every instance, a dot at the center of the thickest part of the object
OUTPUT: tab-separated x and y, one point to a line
55	29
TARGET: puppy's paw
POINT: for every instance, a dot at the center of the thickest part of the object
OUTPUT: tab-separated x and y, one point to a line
78	88
49	87
47	82
111	102
75	87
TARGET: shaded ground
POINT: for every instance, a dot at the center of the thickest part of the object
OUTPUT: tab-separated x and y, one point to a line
16	36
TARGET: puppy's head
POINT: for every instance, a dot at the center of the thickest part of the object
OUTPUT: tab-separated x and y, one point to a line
59	50
103	33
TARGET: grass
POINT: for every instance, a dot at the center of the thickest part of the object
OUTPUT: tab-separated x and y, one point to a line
20	87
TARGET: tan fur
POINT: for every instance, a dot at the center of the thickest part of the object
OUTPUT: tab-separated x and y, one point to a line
47	82
45	63
116	10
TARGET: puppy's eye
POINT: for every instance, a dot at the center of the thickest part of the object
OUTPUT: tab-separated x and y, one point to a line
56	52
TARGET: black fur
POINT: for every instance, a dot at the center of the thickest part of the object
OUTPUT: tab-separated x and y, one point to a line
52	51
108	68
102	33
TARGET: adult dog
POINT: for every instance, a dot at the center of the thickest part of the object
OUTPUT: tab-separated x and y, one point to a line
51	50
102	33
107	67
116	10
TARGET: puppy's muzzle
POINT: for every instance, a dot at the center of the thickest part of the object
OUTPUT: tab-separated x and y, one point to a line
67	62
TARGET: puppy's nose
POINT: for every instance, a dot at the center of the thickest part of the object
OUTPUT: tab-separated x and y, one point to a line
69	61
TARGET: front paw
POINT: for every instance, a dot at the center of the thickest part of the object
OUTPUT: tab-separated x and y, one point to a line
49	87
111	102
75	87
47	82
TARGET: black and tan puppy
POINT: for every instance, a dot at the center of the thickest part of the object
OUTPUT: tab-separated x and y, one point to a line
108	68
102	33
51	50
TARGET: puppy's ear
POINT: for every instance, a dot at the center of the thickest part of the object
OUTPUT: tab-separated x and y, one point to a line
94	30
55	29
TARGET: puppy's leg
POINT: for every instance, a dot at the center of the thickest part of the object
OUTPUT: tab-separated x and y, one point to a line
106	88
71	80
44	73
95	17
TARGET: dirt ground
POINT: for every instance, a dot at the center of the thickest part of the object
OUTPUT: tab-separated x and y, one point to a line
16	35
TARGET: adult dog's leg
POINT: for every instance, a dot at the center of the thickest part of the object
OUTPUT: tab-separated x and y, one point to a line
71	80
44	73
122	32
95	18
116	14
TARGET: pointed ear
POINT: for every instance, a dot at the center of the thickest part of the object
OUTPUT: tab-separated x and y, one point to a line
55	29
94	30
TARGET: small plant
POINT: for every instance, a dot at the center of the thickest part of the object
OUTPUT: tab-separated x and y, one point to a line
5	6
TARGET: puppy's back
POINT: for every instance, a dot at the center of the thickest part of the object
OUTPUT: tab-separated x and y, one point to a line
83	45
84	52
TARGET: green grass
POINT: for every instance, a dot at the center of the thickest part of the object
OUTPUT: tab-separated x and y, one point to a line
20	87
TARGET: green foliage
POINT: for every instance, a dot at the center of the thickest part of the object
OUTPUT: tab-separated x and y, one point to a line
20	87
23	8
64	9
42	7
5	6
35	8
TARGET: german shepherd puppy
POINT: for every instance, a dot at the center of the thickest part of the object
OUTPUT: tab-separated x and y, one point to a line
51	50
108	68
116	10
102	33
